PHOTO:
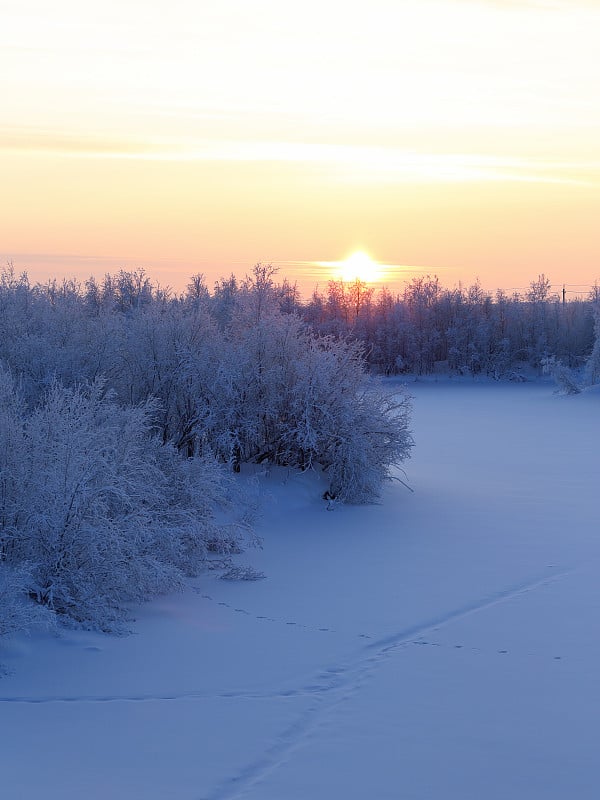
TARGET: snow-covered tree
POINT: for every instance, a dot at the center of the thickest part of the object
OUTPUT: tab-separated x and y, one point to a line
283	395
592	370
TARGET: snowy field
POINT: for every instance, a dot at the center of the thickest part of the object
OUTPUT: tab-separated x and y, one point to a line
443	644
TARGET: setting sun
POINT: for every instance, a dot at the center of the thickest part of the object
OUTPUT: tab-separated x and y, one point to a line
359	266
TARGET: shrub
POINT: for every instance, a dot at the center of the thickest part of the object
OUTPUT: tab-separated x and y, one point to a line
102	512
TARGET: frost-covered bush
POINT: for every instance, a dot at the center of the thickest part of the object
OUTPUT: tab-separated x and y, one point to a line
12	460
17	610
277	393
592	370
563	376
340	419
101	511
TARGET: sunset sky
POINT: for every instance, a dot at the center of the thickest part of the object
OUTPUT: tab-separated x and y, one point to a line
452	137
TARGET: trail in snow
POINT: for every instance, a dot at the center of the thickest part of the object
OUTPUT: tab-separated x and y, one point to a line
346	680
328	680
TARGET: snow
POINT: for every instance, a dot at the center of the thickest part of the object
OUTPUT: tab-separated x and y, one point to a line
441	644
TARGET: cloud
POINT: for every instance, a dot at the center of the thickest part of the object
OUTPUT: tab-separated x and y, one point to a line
51	141
340	162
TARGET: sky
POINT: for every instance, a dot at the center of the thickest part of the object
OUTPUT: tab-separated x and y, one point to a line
457	138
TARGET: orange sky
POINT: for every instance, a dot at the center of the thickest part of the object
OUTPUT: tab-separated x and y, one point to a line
451	137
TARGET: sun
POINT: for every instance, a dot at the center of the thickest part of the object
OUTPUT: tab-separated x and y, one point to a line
359	266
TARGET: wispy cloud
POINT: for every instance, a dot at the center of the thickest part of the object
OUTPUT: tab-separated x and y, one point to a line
350	162
50	141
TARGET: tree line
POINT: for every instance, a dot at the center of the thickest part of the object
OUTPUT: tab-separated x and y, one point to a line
428	328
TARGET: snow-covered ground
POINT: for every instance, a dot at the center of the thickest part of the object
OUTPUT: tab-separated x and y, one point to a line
443	644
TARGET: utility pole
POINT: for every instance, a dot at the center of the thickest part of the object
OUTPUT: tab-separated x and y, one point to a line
564	294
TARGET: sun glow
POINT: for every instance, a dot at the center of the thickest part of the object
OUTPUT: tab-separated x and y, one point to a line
171	141
359	266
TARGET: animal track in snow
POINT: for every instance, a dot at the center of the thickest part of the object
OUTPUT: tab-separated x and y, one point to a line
413	635
278	621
